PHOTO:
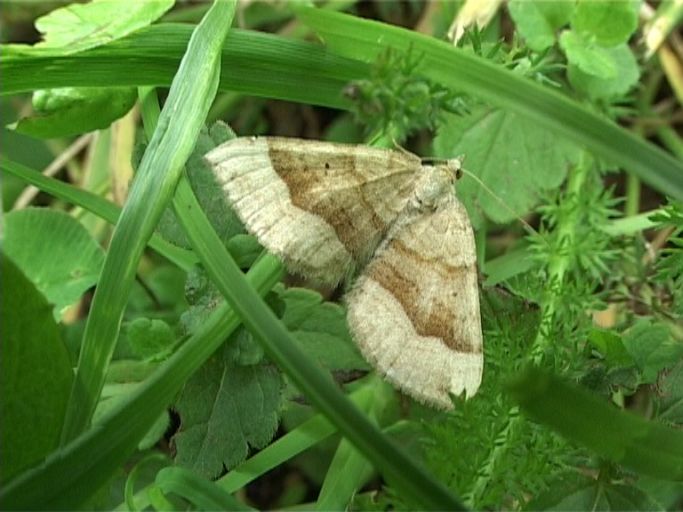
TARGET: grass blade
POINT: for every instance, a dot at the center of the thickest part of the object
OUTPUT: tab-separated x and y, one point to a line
647	447
364	40
191	94
251	62
94	204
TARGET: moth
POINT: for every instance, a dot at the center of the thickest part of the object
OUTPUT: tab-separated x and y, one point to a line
334	211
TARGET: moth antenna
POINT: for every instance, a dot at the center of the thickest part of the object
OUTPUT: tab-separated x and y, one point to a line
400	148
500	201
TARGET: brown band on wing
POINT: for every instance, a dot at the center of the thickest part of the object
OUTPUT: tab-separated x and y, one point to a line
439	321
348	210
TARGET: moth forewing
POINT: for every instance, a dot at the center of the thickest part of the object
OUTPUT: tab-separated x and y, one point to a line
328	210
414	311
321	207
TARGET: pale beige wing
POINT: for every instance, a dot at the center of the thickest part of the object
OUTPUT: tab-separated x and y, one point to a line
321	207
414	311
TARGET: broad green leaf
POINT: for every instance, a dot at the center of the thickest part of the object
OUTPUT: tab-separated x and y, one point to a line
595	87
514	157
55	251
224	410
320	328
72	473
653	348
150	338
647	447
574	491
77	27
667	494
75	110
538	20
35	373
609	22
505	267
589	58
611	346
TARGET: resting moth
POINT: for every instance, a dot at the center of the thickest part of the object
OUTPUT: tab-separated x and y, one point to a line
330	211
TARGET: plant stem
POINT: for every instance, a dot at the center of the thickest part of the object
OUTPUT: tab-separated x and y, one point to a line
556	274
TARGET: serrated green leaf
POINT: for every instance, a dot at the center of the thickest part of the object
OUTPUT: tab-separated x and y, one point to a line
538	20
209	193
671	395
573	491
224	410
596	88
149	338
321	329
589	58
513	156
202	297
35	373
647	447
652	347
77	27
244	350
72	111
609	22
55	251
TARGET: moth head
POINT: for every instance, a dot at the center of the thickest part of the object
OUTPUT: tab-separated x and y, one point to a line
454	166
435	184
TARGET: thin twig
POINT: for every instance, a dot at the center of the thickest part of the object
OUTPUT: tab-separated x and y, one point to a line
55	166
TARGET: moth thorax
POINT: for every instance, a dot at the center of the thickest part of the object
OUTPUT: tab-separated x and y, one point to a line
435	183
